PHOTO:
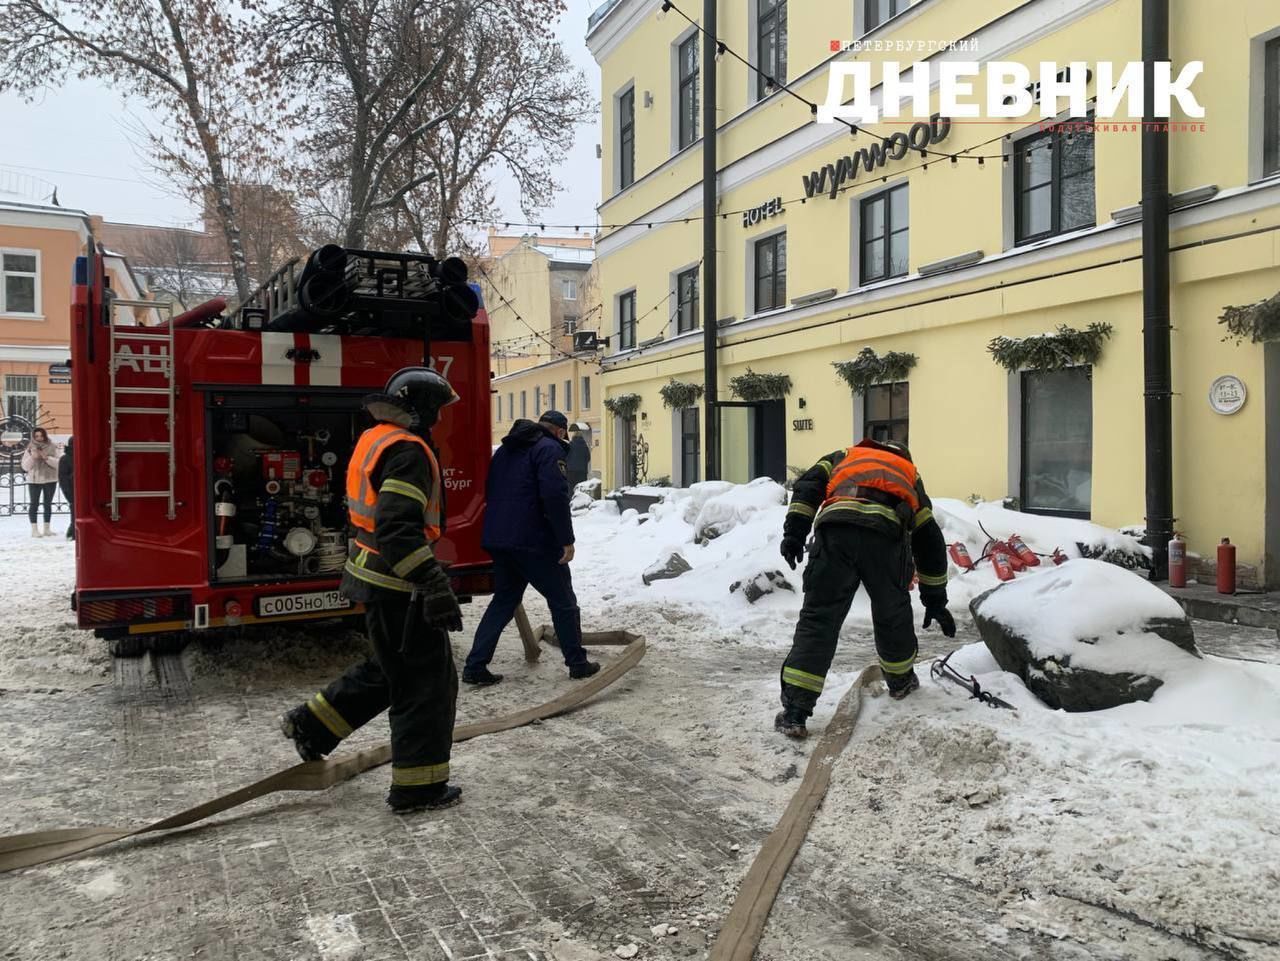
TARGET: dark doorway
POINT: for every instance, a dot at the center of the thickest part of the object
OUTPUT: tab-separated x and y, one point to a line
753	440
690	447
625	455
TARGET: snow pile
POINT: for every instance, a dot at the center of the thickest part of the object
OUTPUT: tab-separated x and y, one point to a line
724	510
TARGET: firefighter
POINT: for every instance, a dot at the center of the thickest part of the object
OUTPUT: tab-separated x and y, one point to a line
872	517
394	497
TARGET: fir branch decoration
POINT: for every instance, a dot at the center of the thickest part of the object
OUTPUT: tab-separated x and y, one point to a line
868	369
677	395
1259	322
1067	347
624	405
753	386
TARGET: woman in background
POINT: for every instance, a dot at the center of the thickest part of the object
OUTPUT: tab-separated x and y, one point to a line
40	461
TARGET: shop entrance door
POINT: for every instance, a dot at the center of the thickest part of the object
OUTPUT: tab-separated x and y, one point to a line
753	440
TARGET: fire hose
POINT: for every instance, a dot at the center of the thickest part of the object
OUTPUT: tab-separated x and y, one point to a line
39	847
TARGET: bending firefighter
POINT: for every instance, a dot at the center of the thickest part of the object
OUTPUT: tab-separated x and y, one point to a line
394	506
872	517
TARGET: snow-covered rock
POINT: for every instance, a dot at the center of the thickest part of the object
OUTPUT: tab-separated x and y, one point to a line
766	582
671	565
1085	636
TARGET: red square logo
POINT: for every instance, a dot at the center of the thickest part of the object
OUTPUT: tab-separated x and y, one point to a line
835	46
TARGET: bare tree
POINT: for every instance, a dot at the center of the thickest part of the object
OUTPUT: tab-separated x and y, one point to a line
414	102
175	263
178	55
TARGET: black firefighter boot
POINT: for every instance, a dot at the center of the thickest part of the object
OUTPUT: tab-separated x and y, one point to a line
900	685
429	797
791	722
306	732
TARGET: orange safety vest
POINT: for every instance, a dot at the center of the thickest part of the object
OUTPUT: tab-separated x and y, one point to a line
361	495
871	467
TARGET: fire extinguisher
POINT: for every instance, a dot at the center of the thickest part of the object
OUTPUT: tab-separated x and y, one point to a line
1003	549
1023	552
1177	561
1059	557
1003	568
1226	567
961	556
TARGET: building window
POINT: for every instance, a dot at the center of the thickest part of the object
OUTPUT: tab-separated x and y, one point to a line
884	235
568	395
1053	184
687	301
1271	107
881	11
627	321
687	109
20	291
524	403
511	405
497	411
771	44
569	289
551	397
887	412
22	397
537	401
1057	441
586	393
690	446
771	272
627	139
570	323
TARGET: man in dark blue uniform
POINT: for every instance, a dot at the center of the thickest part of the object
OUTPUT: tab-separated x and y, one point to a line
529	534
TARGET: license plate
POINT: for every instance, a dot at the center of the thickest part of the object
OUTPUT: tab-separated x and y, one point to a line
279	605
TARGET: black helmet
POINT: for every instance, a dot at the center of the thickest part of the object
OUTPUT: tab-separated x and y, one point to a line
898	448
413	397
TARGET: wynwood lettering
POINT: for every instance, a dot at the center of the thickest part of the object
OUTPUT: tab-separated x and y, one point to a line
1010	92
831	178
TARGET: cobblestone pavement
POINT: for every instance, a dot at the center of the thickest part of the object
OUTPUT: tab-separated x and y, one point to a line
576	835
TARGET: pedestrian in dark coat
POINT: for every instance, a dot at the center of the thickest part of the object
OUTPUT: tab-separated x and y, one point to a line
529	534
578	461
66	481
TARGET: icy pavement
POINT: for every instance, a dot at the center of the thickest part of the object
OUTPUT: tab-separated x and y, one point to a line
952	831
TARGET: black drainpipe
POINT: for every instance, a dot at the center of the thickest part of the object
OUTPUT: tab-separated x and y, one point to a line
708	280
1157	371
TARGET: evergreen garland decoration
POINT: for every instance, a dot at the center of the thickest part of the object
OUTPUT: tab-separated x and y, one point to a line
624	405
1259	322
677	395
1065	348
868	368
752	386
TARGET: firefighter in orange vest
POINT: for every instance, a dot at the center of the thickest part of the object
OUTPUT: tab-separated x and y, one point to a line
872	517
394	502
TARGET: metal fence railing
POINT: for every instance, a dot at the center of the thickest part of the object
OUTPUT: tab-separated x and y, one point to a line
15	498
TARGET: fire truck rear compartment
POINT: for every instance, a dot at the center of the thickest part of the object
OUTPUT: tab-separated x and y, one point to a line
277	469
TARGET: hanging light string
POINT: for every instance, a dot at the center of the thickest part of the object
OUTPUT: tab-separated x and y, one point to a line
523	340
520	317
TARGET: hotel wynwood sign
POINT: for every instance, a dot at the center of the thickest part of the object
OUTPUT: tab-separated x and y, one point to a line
833	176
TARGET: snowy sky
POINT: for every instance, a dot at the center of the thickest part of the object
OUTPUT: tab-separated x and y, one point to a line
82	138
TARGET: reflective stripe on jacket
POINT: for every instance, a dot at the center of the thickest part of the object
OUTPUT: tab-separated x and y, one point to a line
874	468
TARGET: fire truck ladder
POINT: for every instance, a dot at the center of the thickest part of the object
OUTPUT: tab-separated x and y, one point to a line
159	364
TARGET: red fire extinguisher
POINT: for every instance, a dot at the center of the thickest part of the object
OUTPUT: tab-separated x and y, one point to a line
1059	557
1003	568
1002	548
1226	567
961	556
1024	553
1177	561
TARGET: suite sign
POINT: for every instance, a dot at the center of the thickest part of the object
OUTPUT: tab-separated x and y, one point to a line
918	137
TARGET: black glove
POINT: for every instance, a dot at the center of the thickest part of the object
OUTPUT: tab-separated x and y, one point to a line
937	611
792	550
439	606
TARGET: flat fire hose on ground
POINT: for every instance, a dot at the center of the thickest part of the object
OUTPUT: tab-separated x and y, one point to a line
25	850
744	926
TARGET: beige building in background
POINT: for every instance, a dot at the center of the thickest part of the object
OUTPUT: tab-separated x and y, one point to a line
538	292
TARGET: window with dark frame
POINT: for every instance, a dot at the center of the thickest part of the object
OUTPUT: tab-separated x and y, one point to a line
586	393
687	61
887	412
19	282
570	323
771	272
1054	182
885	238
771	45
497	411
627	139
687	301
690	446
551	397
1057	441
537	401
627	321
1271	109
568	395
881	11
511	405
524	403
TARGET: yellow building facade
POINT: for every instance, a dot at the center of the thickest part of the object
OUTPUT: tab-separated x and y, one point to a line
938	261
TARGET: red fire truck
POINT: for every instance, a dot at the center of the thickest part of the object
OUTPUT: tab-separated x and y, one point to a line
211	448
